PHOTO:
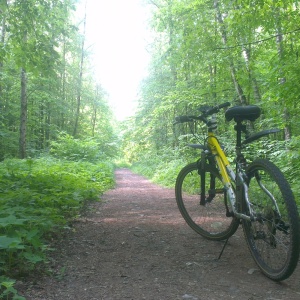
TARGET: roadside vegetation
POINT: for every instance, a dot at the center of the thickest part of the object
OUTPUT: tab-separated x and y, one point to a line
40	197
57	132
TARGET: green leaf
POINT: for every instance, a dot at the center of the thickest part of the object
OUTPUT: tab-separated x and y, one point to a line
10	243
7	282
11	220
33	258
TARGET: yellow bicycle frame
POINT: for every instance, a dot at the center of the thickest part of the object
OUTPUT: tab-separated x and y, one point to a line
220	157
224	168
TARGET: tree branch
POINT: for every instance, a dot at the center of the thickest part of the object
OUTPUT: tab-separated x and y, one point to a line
256	42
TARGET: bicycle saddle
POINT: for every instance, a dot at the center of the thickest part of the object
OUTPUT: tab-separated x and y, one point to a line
241	113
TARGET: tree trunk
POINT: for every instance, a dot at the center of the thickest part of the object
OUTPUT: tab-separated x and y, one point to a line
2	41
23	115
48	125
61	119
282	78
212	75
238	88
252	79
80	78
94	116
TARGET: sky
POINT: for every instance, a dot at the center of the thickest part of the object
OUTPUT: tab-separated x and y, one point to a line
117	34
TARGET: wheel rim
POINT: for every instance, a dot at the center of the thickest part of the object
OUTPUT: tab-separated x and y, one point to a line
210	219
270	236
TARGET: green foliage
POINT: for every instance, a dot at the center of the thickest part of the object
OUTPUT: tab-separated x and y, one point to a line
160	168
89	149
241	52
7	290
39	197
286	155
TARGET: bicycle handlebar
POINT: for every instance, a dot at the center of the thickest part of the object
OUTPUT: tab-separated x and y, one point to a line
205	113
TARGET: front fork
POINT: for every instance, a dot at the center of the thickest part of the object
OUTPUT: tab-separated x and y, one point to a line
212	184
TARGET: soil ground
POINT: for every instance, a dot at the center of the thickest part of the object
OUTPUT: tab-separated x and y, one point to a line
135	245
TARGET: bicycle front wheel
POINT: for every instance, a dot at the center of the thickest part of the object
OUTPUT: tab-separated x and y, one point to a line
274	239
207	219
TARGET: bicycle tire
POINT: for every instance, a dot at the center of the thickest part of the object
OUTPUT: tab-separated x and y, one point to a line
209	220
273	240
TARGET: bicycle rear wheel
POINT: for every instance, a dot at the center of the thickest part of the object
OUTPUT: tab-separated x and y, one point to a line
207	219
273	240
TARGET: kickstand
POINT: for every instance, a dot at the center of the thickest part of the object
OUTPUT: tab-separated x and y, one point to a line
223	248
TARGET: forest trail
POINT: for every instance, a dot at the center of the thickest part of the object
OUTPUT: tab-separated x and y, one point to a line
135	245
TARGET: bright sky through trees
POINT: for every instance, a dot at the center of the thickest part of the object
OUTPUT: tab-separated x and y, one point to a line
117	31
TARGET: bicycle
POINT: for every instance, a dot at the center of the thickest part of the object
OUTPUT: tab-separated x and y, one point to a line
214	199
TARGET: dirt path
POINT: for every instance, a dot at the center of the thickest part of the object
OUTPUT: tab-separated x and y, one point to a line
135	245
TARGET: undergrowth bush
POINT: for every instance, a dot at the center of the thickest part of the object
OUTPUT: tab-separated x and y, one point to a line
161	168
286	155
38	198
88	149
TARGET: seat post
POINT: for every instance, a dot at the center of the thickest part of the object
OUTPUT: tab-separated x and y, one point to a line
239	127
